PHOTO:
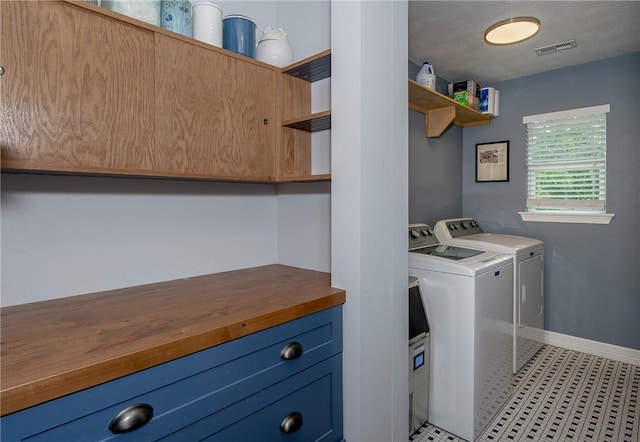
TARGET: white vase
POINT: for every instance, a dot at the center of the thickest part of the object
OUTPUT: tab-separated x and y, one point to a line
273	48
207	22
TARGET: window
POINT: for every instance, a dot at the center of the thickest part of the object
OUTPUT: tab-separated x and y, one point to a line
567	166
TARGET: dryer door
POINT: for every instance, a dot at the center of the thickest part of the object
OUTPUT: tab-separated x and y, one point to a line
531	296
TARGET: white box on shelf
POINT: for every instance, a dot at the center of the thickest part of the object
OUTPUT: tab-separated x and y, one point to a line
490	101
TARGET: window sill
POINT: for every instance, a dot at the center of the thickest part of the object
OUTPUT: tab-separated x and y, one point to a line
582	218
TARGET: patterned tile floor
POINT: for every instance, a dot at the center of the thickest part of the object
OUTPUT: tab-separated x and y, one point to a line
563	395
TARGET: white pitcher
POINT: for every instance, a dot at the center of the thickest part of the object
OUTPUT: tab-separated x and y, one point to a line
273	48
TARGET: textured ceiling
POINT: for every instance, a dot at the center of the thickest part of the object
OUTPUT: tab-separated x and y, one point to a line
450	35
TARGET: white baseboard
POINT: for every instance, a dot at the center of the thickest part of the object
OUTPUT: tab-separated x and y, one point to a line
609	351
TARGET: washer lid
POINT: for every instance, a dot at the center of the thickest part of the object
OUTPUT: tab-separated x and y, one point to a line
426	253
497	242
448	252
456	260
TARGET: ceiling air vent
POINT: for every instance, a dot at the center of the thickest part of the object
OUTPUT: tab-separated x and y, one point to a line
556	47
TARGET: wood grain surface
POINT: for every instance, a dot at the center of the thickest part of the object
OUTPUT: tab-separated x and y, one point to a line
53	348
293	147
422	100
68	99
311	69
215	115
91	91
312	123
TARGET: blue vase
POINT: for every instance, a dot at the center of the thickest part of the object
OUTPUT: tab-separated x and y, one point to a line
176	16
239	35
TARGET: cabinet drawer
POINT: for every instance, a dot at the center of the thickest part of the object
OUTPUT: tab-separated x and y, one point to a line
185	390
315	395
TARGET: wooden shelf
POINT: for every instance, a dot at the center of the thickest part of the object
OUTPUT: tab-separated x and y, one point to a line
306	179
312	123
441	111
311	69
295	158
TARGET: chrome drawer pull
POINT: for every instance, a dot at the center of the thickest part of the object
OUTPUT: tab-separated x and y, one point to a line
131	418
291	351
291	423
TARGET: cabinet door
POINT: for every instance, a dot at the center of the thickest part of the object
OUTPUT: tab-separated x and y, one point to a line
214	113
77	93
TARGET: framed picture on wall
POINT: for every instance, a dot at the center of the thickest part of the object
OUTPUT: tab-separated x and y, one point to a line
492	162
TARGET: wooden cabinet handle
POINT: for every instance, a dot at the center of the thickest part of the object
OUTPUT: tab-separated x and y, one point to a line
131	418
291	351
1	70
291	423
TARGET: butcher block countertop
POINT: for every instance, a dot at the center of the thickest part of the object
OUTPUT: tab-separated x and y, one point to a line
53	348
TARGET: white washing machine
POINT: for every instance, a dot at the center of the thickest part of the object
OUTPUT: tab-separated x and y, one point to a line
469	304
528	268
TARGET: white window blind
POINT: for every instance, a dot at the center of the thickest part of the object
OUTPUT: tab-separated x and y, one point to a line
567	161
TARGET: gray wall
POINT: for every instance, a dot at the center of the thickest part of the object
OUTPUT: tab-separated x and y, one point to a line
435	172
69	235
592	272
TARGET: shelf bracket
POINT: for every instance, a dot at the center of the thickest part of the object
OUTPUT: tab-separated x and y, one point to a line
436	121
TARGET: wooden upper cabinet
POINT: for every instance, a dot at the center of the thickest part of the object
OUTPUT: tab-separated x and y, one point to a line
77	94
87	90
215	113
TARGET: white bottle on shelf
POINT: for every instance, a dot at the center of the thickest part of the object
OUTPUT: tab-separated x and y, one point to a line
426	76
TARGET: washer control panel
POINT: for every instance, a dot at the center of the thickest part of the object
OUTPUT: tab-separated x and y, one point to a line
421	235
455	228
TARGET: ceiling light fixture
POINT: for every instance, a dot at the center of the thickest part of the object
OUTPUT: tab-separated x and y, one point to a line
512	30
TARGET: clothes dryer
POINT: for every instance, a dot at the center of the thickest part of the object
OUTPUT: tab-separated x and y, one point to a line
469	304
528	289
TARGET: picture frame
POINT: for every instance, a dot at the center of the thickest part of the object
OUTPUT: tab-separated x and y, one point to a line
492	162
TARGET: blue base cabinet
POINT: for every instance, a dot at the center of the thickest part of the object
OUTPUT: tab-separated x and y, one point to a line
281	384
